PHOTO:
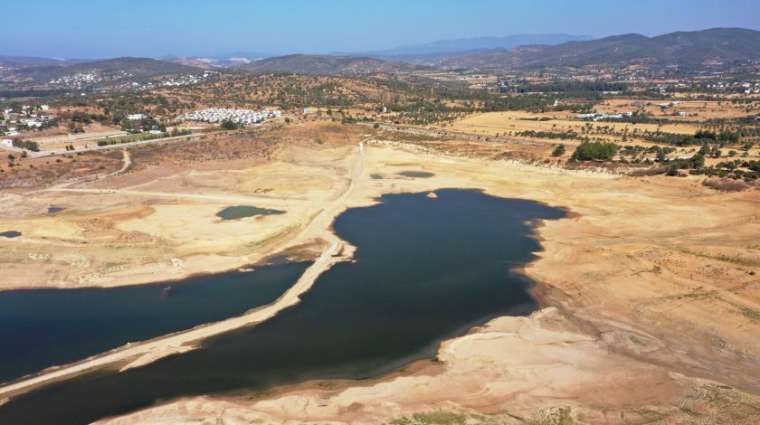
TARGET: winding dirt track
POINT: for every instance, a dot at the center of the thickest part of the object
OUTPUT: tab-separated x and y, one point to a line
143	353
190	196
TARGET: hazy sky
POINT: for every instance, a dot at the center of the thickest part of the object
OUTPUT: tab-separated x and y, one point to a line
104	28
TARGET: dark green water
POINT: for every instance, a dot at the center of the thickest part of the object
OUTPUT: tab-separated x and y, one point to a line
416	174
42	328
426	269
242	211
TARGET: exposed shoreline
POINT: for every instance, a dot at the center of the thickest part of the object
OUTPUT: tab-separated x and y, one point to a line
606	263
142	353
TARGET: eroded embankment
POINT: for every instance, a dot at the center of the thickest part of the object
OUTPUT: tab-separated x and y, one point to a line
414	283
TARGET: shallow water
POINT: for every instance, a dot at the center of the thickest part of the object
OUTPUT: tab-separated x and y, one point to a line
242	211
42	328
10	234
426	269
416	174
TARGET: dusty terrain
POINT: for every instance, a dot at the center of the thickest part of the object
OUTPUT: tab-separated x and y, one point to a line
650	289
685	111
158	221
492	123
638	276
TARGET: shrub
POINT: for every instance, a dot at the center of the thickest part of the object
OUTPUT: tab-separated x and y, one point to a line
229	125
726	185
559	150
592	151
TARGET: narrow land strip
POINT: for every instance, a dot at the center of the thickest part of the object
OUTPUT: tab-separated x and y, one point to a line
143	353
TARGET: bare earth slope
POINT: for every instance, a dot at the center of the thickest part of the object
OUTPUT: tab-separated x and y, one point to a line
650	290
656	299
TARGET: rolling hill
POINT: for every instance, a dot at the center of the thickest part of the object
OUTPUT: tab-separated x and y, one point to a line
111	69
695	48
326	65
462	45
18	62
111	73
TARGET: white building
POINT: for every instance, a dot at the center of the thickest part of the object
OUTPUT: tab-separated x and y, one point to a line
603	116
31	123
136	117
6	143
237	116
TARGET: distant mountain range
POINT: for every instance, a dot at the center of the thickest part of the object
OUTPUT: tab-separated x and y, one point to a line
19	62
695	48
462	45
327	65
118	72
134	67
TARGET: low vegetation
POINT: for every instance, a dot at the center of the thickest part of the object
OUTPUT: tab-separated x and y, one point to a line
594	151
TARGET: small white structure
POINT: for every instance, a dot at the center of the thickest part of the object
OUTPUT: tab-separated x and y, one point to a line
136	117
603	116
32	123
6	143
237	116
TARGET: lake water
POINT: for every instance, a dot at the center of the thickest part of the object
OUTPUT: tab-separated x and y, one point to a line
425	270
242	211
42	328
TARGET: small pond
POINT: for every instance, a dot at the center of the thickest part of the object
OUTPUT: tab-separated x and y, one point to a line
238	212
416	174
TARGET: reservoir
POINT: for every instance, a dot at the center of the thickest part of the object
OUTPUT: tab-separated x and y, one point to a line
42	328
425	270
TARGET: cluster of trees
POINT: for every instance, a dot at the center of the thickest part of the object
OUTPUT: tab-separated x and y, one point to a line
696	162
738	163
229	125
137	138
533	103
574	87
565	135
421	111
699	138
594	151
146	124
27	144
712	151
745	170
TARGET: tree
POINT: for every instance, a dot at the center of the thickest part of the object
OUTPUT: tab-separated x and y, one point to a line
229	125
559	150
589	151
697	161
